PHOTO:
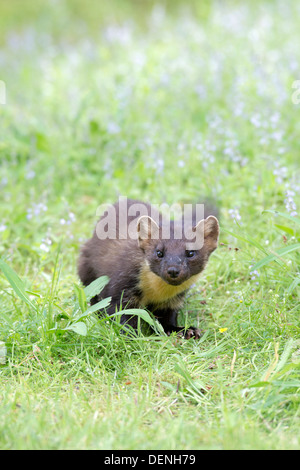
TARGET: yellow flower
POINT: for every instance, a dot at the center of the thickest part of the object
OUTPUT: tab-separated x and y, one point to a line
222	330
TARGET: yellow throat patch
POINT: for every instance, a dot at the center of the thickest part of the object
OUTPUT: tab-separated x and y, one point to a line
156	290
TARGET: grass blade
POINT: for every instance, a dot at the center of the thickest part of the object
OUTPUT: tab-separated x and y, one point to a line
293	285
3	352
247	239
283	251
282	214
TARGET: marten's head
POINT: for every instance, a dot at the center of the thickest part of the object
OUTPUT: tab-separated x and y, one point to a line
174	252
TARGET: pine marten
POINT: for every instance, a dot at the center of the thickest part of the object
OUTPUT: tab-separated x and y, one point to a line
147	269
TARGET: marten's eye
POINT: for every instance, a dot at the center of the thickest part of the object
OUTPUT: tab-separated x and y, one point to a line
159	254
190	253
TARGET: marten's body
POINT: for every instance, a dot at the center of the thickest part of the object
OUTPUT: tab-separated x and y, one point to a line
147	271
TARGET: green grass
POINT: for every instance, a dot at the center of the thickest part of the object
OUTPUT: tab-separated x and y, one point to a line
169	104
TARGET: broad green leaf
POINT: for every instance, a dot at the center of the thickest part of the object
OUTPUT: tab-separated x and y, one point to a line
16	283
139	313
285	229
81	297
78	327
95	287
259	384
144	315
94	308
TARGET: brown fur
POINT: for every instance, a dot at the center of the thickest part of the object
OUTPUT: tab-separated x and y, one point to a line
139	278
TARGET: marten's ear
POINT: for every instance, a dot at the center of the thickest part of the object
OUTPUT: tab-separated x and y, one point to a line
209	230
147	229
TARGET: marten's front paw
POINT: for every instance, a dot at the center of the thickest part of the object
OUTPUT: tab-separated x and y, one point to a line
193	333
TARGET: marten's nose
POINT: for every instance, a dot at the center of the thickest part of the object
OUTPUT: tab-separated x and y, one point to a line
173	272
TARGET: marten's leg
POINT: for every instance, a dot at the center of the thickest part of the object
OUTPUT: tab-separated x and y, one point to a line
168	319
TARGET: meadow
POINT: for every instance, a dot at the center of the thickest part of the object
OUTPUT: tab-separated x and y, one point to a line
164	102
